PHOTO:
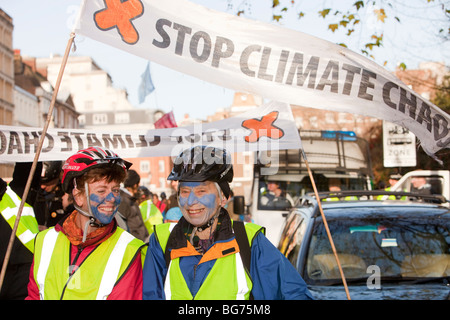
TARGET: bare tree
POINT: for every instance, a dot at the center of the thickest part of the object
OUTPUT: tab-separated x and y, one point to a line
350	16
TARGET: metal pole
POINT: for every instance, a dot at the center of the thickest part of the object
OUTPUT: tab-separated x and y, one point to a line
36	158
326	225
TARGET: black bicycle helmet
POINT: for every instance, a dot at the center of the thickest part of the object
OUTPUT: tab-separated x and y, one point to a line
204	163
144	190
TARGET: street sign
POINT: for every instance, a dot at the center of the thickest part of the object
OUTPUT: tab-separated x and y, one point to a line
399	146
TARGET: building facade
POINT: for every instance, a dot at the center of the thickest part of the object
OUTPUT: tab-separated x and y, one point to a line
90	86
153	170
426	79
6	69
103	107
33	96
6	79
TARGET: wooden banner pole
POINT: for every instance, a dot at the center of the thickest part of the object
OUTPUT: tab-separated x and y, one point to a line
36	158
326	225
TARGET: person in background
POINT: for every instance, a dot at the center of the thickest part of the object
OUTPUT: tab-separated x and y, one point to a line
86	256
335	185
155	199
420	185
164	203
48	207
150	213
67	203
173	213
129	207
275	197
161	204
393	179
229	207
15	282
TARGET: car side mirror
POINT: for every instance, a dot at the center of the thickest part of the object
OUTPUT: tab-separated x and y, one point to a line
238	205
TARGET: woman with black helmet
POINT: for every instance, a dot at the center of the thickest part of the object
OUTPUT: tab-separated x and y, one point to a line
206	256
86	255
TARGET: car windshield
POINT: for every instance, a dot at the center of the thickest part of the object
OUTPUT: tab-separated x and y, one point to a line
400	248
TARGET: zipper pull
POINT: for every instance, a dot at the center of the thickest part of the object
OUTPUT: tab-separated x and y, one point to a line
195	270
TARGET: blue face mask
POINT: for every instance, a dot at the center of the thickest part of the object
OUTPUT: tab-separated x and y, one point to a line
96	201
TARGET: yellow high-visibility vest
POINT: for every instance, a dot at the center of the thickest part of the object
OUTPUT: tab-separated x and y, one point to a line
95	278
28	226
150	214
227	280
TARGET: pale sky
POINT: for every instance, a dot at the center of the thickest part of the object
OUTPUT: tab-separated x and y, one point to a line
42	27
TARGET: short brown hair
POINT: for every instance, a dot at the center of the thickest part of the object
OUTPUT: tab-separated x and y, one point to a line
111	173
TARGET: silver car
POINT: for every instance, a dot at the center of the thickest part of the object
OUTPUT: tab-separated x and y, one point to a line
388	249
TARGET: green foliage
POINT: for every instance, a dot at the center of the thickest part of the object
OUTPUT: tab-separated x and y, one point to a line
442	99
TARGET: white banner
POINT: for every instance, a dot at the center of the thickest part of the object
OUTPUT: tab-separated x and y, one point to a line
267	127
263	59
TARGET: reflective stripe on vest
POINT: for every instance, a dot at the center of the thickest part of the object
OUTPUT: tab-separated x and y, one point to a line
111	273
228	274
49	245
348	198
95	278
28	226
233	285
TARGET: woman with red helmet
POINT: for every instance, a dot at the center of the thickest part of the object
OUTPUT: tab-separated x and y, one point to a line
86	255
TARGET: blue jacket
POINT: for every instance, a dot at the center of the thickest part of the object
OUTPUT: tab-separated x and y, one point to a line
273	276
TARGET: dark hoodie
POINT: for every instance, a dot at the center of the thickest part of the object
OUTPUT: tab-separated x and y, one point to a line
20	260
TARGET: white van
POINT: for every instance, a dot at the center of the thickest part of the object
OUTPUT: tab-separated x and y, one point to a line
278	183
430	181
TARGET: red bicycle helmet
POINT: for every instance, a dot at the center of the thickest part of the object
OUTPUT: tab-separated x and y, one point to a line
87	159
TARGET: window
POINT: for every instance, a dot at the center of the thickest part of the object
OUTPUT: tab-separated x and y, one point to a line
100	118
122	117
408	245
329	118
292	237
273	195
162	182
426	185
161	165
82	120
145	182
144	166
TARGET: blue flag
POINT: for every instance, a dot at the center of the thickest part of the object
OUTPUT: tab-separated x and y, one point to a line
146	87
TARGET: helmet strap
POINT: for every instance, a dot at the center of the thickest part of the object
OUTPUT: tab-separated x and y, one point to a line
208	224
92	220
225	187
86	226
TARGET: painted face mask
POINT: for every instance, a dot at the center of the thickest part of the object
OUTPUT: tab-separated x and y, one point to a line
104	207
198	202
